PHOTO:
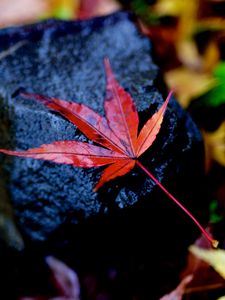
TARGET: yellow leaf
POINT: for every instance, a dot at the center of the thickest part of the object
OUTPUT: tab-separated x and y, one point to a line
63	9
188	54
188	84
214	257
172	7
186	11
221	298
215	144
211	56
211	23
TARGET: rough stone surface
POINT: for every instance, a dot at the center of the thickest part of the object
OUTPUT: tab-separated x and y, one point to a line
55	203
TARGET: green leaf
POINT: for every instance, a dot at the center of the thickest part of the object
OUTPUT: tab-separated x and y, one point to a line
64	13
143	10
214	216
216	96
219	71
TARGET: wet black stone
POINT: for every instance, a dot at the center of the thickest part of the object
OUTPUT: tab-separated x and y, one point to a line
55	205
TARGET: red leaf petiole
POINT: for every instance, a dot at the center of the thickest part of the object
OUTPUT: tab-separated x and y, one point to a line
213	242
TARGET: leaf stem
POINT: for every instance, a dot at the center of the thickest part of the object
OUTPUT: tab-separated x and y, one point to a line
213	242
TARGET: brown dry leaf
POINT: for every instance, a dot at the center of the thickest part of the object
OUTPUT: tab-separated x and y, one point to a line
164	39
214	257
215	144
188	84
178	293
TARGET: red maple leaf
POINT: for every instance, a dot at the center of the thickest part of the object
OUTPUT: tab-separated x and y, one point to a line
117	133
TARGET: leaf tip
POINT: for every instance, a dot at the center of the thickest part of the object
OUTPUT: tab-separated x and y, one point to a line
39	98
97	187
106	60
26	95
108	68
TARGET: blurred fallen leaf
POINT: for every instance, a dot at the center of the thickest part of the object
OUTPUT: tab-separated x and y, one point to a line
215	217
173	7
63	9
215	145
210	23
164	40
194	265
178	293
214	257
188	84
65	281
211	56
179	22
29	11
205	277
21	11
90	8
186	12
188	54
215	96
